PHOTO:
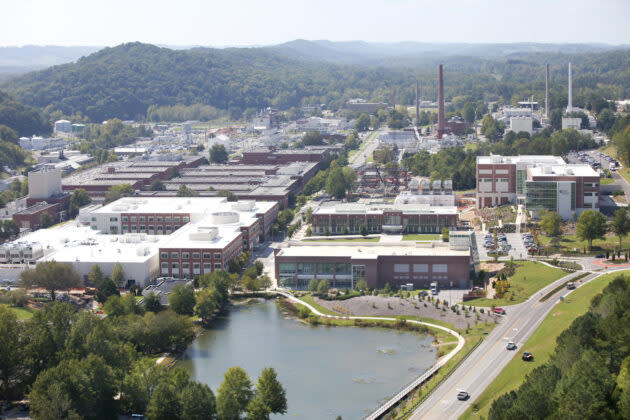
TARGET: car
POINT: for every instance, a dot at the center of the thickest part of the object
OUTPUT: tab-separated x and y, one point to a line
527	356
600	256
570	285
499	311
511	345
463	395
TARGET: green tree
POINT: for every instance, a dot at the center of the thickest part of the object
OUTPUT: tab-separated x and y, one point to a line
312	138
363	122
116	192
445	234
228	194
157	185
164	403
469	113
234	394
322	287
349	177
78	199
46	220
118	275
182	299
363	230
270	390
10	352
312	285
198	402
551	223
95	275
257	409
206	304
52	276
184	191
106	289
361	285
620	224
591	225
335	183
218	154
152	302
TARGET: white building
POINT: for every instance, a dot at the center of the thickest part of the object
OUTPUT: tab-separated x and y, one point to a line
518	124
44	183
63	126
570	122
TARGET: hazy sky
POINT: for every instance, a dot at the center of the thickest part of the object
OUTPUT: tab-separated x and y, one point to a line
263	22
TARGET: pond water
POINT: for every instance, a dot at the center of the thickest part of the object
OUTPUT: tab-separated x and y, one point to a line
326	371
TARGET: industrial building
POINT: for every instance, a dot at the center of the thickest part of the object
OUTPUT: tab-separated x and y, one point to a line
538	182
343	265
429	193
63	126
271	155
348	218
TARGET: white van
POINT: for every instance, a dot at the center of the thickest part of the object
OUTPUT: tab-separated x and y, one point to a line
434	288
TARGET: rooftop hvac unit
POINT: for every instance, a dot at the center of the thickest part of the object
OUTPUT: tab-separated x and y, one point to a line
204	233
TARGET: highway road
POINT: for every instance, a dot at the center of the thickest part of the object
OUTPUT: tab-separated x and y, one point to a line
487	361
359	159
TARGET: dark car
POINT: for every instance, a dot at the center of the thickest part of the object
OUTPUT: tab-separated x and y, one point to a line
499	311
600	256
462	395
528	357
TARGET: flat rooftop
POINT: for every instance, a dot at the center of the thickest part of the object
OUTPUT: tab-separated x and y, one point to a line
370	251
562	170
355	208
530	159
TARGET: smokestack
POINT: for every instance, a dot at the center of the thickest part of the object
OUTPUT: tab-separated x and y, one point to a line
394	98
570	104
547	91
417	105
440	130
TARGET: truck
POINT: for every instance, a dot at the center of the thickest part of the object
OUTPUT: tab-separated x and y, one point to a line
434	288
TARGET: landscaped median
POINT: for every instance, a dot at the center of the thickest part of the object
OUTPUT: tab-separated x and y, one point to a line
529	277
541	344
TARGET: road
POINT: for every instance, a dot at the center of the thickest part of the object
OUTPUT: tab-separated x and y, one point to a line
487	361
367	147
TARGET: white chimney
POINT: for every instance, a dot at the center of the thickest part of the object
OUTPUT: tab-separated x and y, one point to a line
570	104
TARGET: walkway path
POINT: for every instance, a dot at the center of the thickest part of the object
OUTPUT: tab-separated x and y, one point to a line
383	408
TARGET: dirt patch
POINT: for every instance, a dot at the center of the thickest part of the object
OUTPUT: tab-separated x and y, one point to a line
393	306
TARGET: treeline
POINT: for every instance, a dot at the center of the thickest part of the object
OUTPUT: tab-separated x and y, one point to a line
125	81
97	138
194	112
588	376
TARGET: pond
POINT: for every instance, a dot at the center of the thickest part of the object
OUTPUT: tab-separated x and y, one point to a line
326	371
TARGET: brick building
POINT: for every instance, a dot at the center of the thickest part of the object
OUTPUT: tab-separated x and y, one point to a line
30	217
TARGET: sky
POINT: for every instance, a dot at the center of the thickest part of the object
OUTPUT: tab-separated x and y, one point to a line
267	22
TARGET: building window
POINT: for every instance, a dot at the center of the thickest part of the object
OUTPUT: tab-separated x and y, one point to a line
176	219
175	266
186	219
342	268
196	266
133	218
151	219
324	268
401	268
185	265
167	219
306	268
164	255
287	268
142	228
151	228
142	218
159	219
125	218
185	255
175	255
207	267
125	228
217	266
421	268
164	265
113	219
217	255
440	268
206	255
195	255
169	229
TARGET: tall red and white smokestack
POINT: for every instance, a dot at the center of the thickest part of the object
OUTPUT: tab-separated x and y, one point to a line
440	130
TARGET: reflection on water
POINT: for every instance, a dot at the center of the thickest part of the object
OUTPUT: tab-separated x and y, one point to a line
327	371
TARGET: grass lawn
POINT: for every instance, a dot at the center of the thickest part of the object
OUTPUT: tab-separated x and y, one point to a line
422	237
606	181
344	240
625	174
529	277
542	343
473	147
610	150
569	242
21	313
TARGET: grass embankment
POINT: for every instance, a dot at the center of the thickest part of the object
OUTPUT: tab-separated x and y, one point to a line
625	174
21	313
529	277
570	242
422	237
606	181
343	240
541	344
610	150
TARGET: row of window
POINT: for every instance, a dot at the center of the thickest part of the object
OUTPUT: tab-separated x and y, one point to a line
176	219
186	255
207	267
143	228
421	268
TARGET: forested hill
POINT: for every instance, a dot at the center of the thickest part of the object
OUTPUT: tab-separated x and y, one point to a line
23	120
124	81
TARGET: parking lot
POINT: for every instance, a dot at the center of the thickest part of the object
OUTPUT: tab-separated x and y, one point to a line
510	243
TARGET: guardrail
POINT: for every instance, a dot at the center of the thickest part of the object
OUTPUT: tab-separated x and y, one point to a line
385	407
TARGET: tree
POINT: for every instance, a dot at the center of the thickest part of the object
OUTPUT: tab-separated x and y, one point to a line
228	194
96	275
469	113
445	234
206	304
363	230
257	409
218	154
335	183
78	199
591	225
182	299
312	285
551	223
271	391
620	224
45	220
322	287
363	122
116	192
10	351
312	138
361	285
184	191
198	402
234	394
118	275
349	177
52	276
106	289
157	185
164	403
152	302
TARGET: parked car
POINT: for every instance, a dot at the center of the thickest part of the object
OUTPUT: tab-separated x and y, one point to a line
463	395
528	357
600	256
511	345
499	311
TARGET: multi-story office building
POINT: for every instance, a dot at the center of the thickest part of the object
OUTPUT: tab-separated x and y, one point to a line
538	182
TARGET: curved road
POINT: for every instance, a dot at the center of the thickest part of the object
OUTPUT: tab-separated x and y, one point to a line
487	361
